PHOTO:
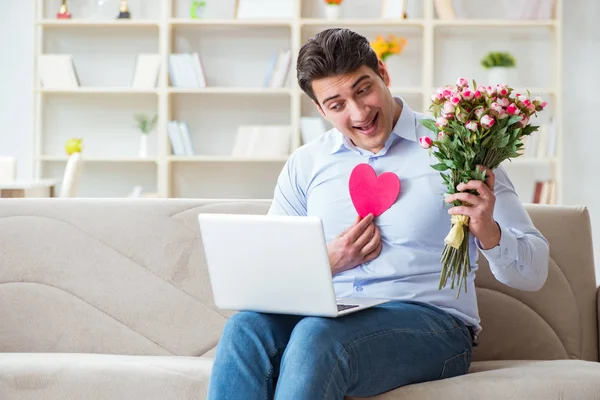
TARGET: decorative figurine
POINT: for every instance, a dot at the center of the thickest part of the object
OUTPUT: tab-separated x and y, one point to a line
63	12
124	10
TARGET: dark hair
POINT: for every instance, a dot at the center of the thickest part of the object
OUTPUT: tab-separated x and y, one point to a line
334	51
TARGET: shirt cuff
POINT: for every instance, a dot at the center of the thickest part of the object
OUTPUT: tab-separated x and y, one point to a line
505	252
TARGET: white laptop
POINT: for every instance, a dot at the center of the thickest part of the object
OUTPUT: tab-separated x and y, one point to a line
272	264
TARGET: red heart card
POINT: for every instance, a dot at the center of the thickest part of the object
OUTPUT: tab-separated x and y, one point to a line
371	193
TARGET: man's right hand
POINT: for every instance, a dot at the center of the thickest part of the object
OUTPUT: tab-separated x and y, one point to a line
358	244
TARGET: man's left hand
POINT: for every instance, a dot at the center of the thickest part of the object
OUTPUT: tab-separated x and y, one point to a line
481	212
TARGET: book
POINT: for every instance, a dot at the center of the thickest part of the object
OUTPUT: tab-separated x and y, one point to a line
278	73
186	70
444	10
57	71
146	71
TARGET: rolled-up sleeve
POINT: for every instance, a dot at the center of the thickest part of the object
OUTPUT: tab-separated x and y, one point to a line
521	258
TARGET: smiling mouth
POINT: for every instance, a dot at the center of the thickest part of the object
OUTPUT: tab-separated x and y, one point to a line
369	125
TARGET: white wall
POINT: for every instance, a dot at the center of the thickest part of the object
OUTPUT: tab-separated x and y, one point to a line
16	68
581	83
582	128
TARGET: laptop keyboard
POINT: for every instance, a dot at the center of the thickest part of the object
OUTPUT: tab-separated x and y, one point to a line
342	307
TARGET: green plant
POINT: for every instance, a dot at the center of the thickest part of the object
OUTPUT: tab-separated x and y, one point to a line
146	123
196	4
498	59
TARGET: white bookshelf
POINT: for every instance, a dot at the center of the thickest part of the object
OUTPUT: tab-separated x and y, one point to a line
236	54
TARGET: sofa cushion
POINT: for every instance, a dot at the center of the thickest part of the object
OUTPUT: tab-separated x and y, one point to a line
69	376
74	376
511	380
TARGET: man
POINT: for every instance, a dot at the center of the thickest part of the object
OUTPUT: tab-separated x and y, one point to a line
424	333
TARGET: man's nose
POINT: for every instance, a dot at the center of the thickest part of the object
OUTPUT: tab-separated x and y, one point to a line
359	113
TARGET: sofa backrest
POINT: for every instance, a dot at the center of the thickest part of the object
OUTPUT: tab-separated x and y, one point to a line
127	276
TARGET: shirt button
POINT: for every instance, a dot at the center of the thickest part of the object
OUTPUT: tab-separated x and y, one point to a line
367	263
359	288
505	251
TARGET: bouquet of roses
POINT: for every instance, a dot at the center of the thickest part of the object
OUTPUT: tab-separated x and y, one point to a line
482	125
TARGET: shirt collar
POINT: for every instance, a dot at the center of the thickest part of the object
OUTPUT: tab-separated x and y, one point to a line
405	128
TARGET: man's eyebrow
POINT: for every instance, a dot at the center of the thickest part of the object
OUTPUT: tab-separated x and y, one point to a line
353	86
359	80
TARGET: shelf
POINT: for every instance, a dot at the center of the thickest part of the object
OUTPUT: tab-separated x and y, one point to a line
232	90
225	159
100	159
230	22
101	90
97	23
362	22
486	23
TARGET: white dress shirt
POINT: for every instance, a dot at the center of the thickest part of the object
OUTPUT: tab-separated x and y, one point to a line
314	181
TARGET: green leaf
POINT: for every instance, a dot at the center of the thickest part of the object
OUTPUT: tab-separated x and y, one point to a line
440	167
450	163
429	124
514	119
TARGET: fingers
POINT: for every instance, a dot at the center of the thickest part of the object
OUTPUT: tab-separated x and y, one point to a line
350	227
365	237
357	230
480	186
375	253
372	244
464	197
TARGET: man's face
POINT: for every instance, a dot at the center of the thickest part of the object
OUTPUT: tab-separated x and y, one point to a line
359	105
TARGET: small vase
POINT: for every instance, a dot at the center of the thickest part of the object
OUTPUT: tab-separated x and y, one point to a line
332	11
143	151
498	75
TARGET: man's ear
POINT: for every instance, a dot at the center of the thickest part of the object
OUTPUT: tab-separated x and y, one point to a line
320	109
384	73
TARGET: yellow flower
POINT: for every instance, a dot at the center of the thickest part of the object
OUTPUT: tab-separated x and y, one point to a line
384	48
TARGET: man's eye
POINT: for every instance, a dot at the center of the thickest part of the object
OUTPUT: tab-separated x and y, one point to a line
364	90
336	106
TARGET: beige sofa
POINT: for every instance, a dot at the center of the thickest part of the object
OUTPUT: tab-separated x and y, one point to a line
110	299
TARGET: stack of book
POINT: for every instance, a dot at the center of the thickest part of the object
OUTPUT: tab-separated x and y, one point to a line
279	68
180	138
186	70
542	143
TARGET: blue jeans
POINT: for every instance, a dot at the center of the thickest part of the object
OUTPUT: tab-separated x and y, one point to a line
265	356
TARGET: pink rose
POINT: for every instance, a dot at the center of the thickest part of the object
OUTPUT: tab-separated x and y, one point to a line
425	142
472	126
481	88
449	107
441	135
462	82
491	90
455	100
504	102
524	120
502	90
441	122
448	116
513	109
487	121
467	94
477	94
447	92
541	106
479	112
437	97
502	115
497	108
